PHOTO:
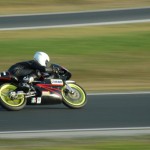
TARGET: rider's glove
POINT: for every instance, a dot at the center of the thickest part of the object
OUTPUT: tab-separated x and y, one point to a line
48	70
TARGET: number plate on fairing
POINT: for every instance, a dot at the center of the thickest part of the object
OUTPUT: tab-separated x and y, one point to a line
57	82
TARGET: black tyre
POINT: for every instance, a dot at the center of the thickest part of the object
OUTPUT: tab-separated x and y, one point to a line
76	100
16	104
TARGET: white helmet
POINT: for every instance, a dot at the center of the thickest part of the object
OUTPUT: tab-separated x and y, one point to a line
42	58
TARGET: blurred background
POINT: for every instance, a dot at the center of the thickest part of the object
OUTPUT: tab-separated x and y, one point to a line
30	6
101	58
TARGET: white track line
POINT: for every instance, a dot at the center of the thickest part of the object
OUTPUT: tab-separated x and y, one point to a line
77	133
75	130
77	25
120	93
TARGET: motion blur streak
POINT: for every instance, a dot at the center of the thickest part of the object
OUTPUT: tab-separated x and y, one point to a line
75	19
71	133
76	25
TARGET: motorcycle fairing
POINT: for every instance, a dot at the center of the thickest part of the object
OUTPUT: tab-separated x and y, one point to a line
48	95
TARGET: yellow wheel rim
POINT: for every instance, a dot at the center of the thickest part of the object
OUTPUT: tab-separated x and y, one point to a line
4	95
76	99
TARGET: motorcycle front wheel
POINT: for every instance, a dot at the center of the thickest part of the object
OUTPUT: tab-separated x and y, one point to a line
7	102
77	99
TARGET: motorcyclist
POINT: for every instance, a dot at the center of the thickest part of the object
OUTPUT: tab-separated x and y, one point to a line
27	71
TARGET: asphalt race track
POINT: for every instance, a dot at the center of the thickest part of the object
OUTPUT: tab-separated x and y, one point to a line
101	111
74	19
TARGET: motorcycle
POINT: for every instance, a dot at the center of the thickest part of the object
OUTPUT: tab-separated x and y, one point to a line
55	88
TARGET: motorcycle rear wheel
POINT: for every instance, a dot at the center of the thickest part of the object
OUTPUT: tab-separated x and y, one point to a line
74	100
11	104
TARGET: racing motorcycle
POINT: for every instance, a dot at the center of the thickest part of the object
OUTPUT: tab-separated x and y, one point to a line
55	88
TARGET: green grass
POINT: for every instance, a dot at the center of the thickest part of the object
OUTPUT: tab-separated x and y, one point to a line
100	58
34	6
126	143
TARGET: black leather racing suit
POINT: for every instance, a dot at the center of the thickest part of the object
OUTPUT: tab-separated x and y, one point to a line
28	68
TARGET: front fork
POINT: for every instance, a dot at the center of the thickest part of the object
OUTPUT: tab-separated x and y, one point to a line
68	88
